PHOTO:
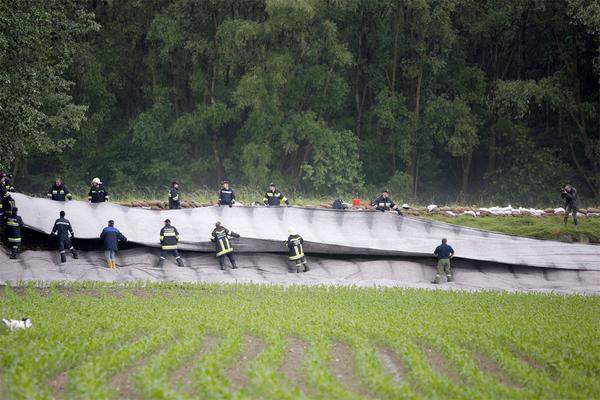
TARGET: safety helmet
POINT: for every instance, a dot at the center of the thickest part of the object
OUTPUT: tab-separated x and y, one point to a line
291	230
96	181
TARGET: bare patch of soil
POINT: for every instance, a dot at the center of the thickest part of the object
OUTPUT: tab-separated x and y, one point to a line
294	356
440	364
238	373
342	363
490	367
181	376
392	364
58	384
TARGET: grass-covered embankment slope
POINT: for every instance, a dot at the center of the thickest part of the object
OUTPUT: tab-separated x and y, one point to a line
221	342
551	228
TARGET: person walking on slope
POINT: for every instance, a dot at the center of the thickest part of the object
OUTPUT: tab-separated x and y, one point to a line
444	253
274	197
295	247
226	195
97	193
58	191
174	200
385	203
111	238
169	237
14	223
64	231
569	194
220	237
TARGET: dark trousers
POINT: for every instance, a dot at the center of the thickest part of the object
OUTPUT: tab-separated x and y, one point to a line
164	253
64	244
571	208
231	259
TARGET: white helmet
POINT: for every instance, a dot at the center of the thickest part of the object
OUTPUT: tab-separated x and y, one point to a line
291	230
96	181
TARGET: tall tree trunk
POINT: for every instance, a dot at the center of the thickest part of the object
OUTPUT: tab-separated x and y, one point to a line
491	164
466	169
414	140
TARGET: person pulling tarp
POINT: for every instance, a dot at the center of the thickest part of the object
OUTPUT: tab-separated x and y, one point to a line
226	195
385	203
274	197
64	233
111	237
58	191
221	238
14	223
295	245
169	237
97	193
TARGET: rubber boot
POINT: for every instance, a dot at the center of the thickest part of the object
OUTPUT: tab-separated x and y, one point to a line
179	261
298	266
575	221
161	262
450	278
306	269
13	254
233	266
436	280
63	258
74	254
565	219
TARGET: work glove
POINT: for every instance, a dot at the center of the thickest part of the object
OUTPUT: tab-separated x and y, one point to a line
230	205
399	212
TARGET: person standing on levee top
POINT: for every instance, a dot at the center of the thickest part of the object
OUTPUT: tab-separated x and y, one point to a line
444	253
58	191
97	193
169	237
111	238
569	194
226	195
64	233
295	245
174	199
274	197
220	237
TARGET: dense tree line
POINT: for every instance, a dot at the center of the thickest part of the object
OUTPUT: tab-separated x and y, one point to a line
437	100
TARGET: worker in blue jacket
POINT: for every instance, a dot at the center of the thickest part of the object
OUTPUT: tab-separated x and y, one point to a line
111	237
444	253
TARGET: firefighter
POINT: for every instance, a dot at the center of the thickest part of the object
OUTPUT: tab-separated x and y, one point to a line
111	237
226	195
295	247
569	194
6	201
14	223
64	231
169	237
220	237
385	203
274	197
97	194
174	200
8	182
58	191
444	253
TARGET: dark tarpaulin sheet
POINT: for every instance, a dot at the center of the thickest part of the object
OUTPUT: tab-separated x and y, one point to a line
325	231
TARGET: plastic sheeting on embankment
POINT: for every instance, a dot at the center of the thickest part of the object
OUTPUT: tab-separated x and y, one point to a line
325	231
140	265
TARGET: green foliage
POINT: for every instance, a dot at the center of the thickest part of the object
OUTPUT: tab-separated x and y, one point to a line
98	340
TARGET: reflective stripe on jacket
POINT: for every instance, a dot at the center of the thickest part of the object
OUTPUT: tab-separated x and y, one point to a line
295	247
169	237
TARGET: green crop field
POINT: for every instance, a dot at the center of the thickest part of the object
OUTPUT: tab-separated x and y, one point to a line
249	341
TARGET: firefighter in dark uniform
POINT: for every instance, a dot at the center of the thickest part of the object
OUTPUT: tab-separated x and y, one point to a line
385	203
58	191
169	237
274	197
226	195
13	232
174	200
295	247
569	194
97	193
6	200
220	237
8	182
64	231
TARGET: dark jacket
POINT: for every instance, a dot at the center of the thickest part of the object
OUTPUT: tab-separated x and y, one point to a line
169	237
220	237
383	204
13	229
59	193
111	238
6	201
62	227
174	201
98	194
295	247
226	197
443	251
274	198
571	198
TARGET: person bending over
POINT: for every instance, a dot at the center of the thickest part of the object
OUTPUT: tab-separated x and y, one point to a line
385	203
221	238
111	237
295	247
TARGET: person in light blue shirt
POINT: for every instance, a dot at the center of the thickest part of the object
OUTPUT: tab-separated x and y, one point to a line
444	253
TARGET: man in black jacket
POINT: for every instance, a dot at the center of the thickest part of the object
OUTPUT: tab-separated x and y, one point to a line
274	197
385	203
97	193
169	237
58	191
174	200
6	200
220	237
64	231
13	232
569	194
226	195
295	245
